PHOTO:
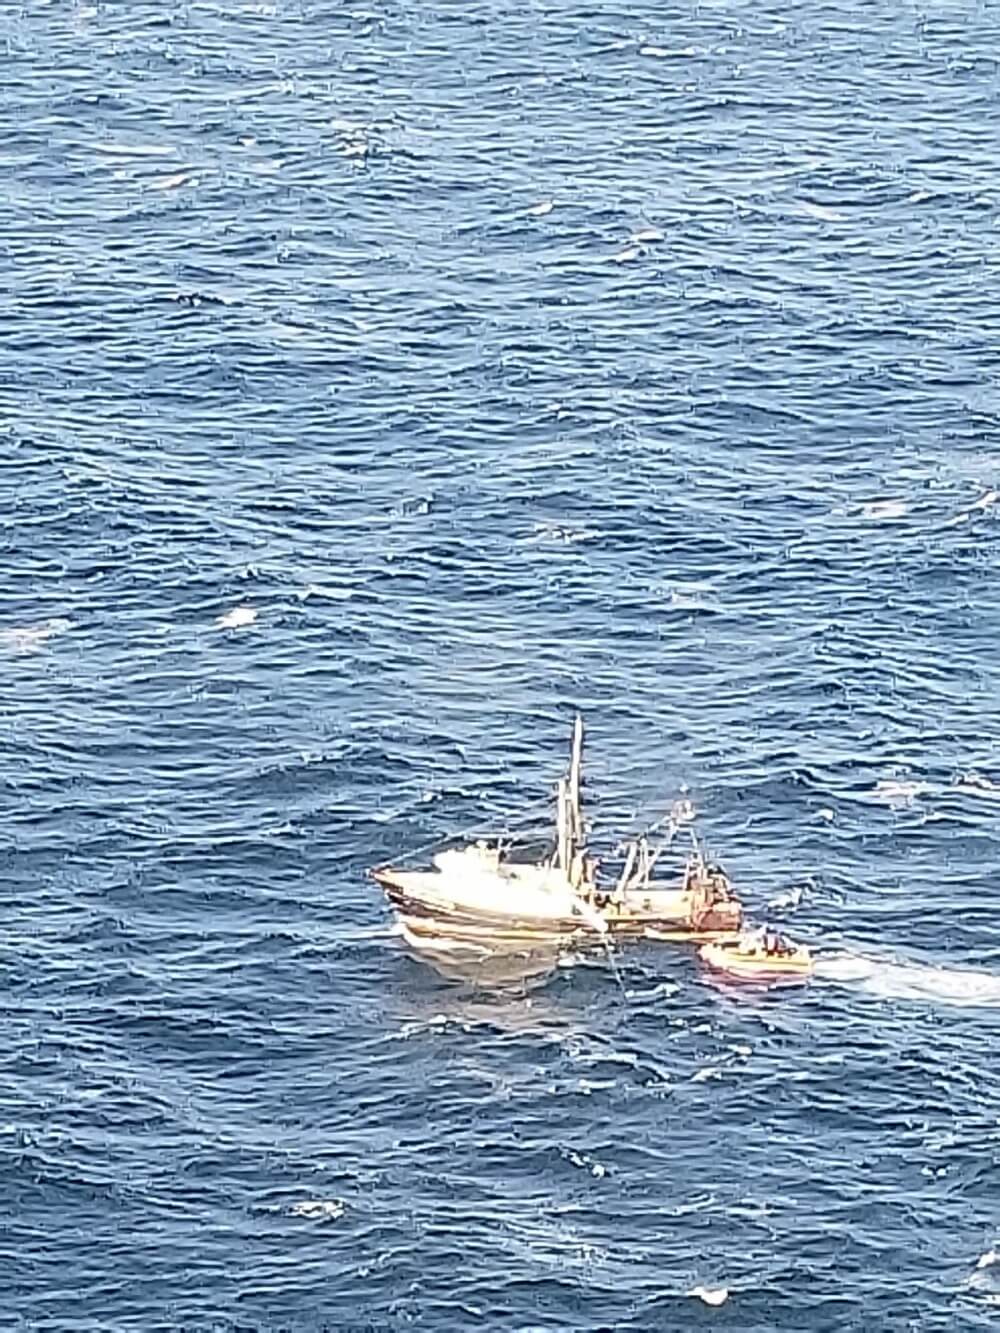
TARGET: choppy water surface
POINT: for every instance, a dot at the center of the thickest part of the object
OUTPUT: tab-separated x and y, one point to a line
378	384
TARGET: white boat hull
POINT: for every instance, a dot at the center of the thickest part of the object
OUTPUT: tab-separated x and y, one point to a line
475	902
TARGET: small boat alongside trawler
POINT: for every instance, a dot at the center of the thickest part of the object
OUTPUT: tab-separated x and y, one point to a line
479	896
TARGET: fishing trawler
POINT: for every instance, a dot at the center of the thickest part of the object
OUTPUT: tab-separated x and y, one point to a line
479	894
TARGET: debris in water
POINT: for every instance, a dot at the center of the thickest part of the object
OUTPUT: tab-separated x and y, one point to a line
541	210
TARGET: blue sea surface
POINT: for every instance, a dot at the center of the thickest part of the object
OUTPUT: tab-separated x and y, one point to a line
380	383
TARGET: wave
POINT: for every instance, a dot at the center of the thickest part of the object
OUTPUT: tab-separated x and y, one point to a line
892	979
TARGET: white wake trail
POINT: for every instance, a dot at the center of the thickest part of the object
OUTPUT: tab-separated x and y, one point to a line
891	979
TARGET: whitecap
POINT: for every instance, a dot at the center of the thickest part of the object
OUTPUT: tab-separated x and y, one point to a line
791	899
553	532
317	1208
540	210
819	211
973	784
171	182
710	1295
895	792
885	509
596	1168
133	150
709	1071
238	618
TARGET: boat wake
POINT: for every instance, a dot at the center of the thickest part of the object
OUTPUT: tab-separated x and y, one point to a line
891	979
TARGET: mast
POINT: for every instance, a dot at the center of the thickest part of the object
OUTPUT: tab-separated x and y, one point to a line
569	813
575	767
563	842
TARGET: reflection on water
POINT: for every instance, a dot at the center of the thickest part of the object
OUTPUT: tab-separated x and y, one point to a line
517	970
518	992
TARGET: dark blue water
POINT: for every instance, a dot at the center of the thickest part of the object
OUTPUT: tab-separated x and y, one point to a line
335	314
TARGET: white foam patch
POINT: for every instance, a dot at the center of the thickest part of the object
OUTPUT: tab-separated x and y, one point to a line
710	1295
238	618
787	901
703	1075
889	979
540	210
133	149
880	509
173	182
553	532
986	501
317	1209
591	1164
893	791
819	211
972	784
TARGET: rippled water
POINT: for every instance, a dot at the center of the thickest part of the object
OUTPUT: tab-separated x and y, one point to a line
474	363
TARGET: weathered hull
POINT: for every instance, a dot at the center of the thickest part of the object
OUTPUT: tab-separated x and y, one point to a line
660	914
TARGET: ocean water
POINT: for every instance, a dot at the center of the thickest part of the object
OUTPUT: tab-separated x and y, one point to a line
380	383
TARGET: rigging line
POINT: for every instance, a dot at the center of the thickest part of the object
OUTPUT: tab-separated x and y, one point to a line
476	830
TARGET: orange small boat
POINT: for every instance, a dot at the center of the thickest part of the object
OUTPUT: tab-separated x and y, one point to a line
759	955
